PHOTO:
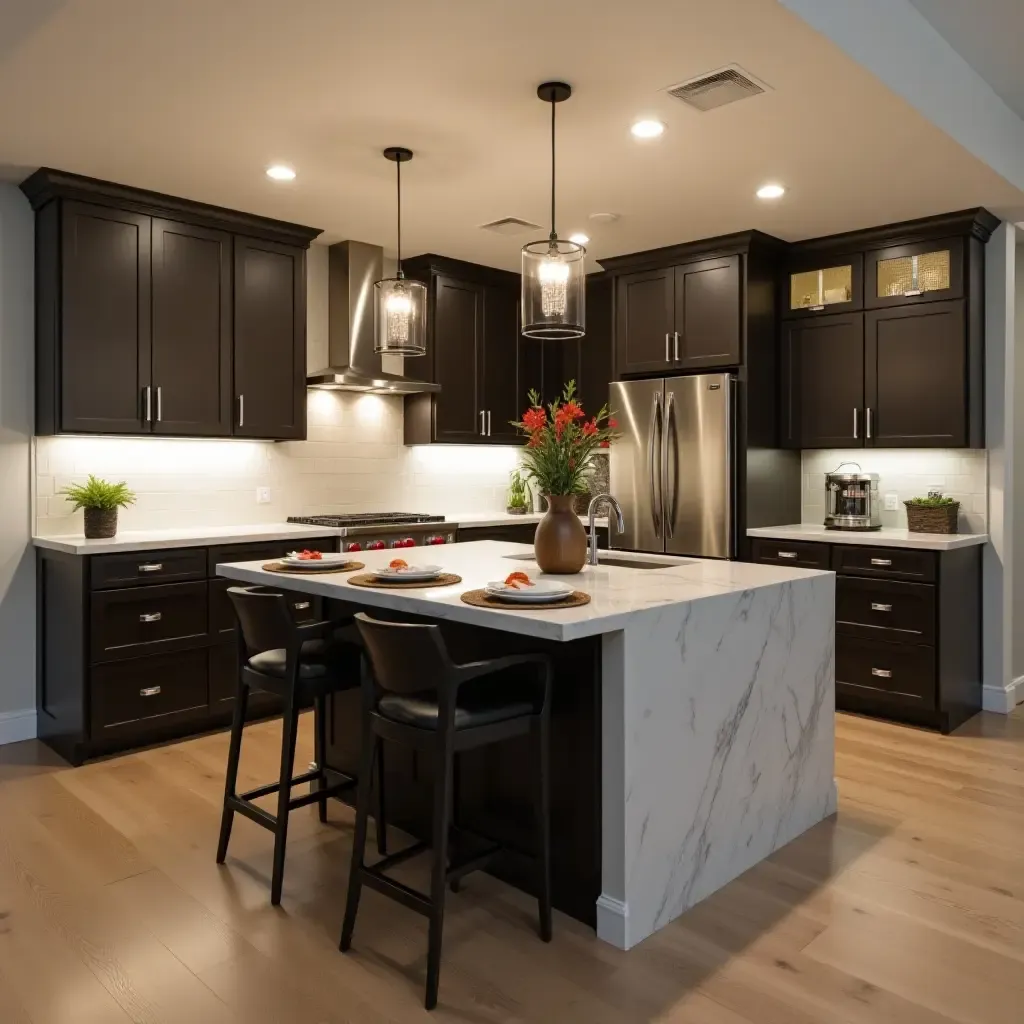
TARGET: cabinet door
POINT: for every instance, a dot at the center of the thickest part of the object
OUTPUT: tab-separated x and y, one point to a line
270	340
544	368
644	304
917	385
589	359
191	372
909	274
706	328
500	364
458	344
823	382
823	282
105	320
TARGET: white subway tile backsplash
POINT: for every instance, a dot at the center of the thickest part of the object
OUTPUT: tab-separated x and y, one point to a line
960	474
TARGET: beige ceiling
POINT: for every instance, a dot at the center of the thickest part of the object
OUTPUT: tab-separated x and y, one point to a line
196	97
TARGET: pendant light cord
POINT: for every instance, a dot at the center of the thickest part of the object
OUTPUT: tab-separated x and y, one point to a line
553	236
398	174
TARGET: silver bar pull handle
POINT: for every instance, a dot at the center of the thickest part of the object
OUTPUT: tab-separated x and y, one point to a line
159	405
881	561
151	616
787	554
149	691
149	403
668	347
300	606
878	607
241	410
488	422
675	343
855	431
867	426
483	423
882	673
151	567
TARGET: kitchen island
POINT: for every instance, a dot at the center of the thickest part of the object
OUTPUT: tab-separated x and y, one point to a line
692	721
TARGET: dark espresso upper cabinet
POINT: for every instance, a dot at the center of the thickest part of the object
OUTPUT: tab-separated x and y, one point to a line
190	392
156	315
270	339
458	353
645	320
501	397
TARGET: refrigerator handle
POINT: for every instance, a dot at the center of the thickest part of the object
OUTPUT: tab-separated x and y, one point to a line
652	468
668	436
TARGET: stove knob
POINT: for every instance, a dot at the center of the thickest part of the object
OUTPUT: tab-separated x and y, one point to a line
375	545
396	544
408	543
354	546
436	540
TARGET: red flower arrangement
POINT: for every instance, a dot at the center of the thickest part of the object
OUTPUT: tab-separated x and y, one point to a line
561	441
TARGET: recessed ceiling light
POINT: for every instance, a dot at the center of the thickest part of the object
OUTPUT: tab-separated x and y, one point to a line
579	238
770	192
647	129
280	173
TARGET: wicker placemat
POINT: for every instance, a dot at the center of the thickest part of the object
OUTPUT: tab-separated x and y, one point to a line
296	571
446	579
481	599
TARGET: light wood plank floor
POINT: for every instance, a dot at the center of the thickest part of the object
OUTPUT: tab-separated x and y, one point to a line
908	908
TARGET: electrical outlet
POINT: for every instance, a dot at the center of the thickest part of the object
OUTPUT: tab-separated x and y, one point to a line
262	495
892	503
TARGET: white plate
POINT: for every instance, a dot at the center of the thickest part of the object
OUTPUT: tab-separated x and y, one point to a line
542	592
411	572
327	558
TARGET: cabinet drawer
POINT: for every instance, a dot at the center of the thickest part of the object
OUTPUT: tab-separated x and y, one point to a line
264	550
799	554
148	567
129	695
885	610
887	563
890	673
146	620
305	608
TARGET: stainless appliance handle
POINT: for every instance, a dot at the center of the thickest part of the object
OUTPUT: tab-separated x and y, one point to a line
159	405
867	425
855	424
675	344
882	673
151	567
241	410
651	454
151	616
149	403
881	561
668	358
878	607
730	517
667	437
149	691
483	422
488	422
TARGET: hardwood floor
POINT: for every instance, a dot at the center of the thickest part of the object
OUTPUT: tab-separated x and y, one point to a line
908	908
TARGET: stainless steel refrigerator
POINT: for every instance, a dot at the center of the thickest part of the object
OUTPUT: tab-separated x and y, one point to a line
672	470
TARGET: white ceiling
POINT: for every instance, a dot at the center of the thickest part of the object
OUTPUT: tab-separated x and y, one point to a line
196	97
988	35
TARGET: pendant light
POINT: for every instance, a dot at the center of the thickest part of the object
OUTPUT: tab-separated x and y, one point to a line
401	304
553	272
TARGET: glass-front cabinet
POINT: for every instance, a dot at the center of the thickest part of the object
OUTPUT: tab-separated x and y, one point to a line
824	283
923	272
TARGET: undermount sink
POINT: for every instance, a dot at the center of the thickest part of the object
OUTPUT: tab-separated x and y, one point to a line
624	561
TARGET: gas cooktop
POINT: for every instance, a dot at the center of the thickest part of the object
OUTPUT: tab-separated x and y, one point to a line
366	519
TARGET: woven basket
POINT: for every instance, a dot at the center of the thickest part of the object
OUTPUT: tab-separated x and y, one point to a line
932	519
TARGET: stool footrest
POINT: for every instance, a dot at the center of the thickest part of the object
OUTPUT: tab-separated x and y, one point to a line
273	787
257	814
320	794
403	894
394	859
458	869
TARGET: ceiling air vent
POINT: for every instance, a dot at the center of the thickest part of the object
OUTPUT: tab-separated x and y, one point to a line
727	85
511	226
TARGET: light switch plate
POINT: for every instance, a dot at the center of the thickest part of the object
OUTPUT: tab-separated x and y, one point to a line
262	495
892	502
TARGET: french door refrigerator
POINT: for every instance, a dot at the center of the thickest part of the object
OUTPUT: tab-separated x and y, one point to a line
672	469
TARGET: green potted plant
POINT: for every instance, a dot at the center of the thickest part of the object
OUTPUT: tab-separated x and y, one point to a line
933	514
519	498
101	500
562	442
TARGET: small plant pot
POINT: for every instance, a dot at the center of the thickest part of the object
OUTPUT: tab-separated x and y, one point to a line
100	523
516	510
932	518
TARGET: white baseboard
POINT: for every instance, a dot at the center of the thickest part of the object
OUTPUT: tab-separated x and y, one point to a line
613	921
16	726
1003	699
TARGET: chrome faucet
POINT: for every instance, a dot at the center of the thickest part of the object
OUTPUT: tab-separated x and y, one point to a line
595	504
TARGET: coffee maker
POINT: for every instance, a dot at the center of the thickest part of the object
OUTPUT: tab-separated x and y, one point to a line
851	499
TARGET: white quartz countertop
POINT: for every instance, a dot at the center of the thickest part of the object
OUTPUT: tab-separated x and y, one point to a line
887	537
618	595
148	540
507	519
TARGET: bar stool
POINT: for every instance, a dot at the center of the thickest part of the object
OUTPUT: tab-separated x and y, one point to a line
299	663
419	697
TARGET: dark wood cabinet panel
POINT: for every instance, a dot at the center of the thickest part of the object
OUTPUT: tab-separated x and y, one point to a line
191	334
104	322
885	672
458	346
823	382
885	610
644	320
819	281
708	307
501	398
917	376
173	565
797	554
542	368
269	339
884	563
590	360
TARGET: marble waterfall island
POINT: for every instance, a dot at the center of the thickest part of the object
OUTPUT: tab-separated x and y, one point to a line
693	723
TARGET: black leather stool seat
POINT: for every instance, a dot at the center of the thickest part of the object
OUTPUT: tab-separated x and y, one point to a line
475	707
312	662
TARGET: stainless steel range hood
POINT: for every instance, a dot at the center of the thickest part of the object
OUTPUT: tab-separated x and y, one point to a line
353	267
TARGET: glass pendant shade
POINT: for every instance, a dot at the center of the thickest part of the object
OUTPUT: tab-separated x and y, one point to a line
554	290
401	316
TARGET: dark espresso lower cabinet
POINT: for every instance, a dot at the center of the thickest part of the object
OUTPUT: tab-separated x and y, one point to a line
139	647
908	627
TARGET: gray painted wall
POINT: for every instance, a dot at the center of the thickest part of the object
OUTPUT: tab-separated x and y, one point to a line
17	572
1017	513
